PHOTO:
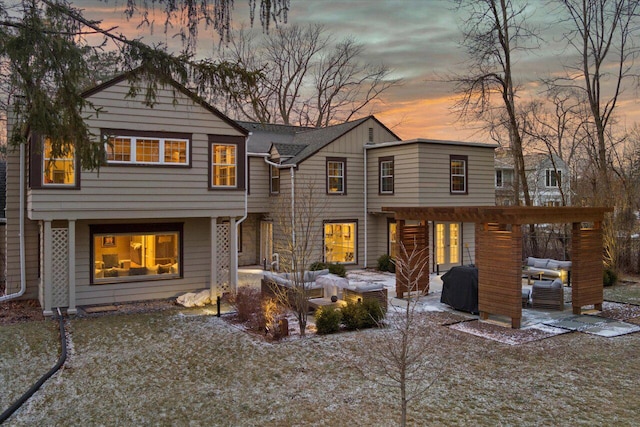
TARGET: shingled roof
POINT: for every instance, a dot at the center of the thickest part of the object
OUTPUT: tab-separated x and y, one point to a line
297	141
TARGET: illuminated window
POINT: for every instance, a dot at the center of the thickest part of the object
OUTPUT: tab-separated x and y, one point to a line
340	242
59	170
458	170
393	240
336	176
275	180
223	162
147	150
142	252
386	175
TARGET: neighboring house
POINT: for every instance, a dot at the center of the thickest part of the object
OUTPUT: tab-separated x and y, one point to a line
547	176
158	218
353	228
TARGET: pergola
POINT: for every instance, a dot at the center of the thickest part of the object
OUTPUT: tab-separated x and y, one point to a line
498	239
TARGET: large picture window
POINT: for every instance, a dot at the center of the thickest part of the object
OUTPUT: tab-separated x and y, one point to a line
59	170
126	253
147	149
340	242
458	177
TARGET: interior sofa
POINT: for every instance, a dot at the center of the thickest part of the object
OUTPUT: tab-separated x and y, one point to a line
547	268
111	266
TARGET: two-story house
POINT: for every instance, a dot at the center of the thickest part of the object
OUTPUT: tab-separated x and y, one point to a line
547	177
358	168
158	218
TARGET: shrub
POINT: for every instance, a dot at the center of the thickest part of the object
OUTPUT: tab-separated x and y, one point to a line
385	263
337	269
248	304
328	320
609	277
317	266
360	315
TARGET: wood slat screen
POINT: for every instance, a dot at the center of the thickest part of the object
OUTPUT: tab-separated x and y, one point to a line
412	237
498	258
586	270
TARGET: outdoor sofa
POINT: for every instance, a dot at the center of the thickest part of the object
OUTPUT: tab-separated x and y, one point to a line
547	268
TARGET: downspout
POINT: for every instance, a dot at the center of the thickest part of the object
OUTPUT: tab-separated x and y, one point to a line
366	229
23	279
246	202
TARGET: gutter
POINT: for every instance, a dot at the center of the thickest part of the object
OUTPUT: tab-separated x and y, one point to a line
23	279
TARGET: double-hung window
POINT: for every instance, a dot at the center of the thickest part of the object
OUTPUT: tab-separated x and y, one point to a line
274	186
336	175
58	170
147	148
499	182
458	174
553	178
224	165
386	175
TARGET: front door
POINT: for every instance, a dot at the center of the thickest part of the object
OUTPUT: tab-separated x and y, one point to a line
266	243
447	245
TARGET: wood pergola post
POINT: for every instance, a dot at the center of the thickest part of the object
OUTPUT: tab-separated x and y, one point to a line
412	237
499	262
586	269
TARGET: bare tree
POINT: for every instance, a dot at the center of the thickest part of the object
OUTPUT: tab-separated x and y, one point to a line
494	31
305	79
297	236
43	52
603	33
400	359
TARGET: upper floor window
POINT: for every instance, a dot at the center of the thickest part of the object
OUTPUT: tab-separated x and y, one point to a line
148	149
336	176
499	182
58	170
385	166
458	174
553	178
224	165
274	186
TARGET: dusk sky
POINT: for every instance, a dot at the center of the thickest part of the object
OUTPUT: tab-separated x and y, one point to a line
418	40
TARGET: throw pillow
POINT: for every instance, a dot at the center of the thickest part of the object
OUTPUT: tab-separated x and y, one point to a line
553	264
541	263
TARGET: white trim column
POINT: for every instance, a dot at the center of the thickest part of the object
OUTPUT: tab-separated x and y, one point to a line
71	242
213	286
233	255
47	268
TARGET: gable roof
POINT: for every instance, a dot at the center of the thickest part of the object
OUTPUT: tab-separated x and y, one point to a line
299	142
130	75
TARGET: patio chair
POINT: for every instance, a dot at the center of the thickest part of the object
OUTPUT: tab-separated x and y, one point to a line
547	294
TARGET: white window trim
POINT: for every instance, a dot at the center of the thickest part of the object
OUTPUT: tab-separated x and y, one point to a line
132	150
273	177
329	176
551	173
382	177
213	165
53	160
463	175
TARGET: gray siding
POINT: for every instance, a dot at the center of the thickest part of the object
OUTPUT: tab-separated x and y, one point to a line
197	273
145	191
259	199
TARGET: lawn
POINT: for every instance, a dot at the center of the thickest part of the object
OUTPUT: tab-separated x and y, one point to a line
180	367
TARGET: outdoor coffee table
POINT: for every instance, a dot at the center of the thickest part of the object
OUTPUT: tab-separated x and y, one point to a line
531	274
